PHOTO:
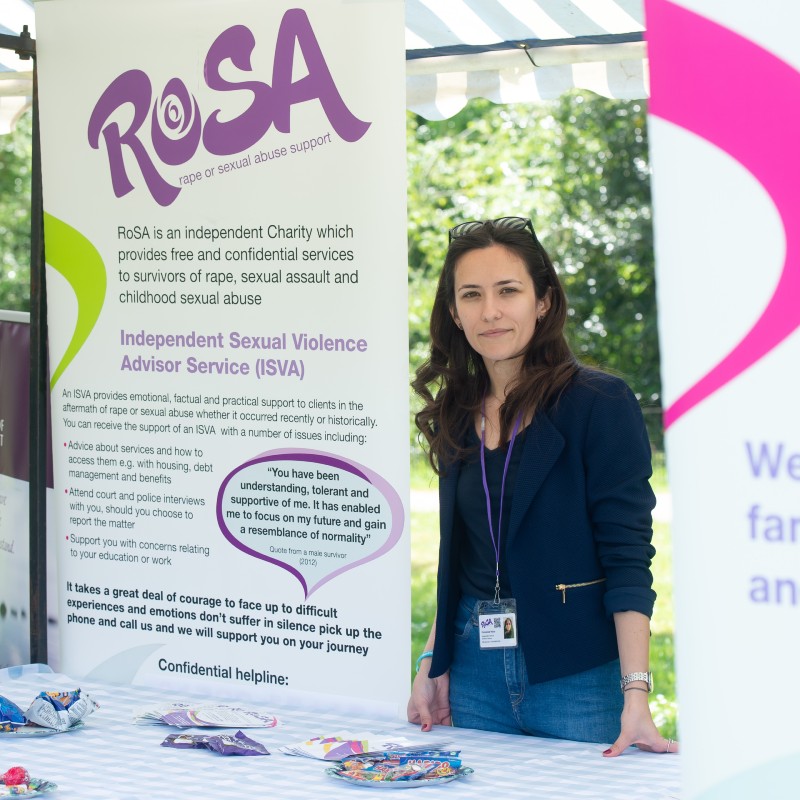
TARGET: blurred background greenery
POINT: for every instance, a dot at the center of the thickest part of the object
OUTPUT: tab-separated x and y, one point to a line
579	168
15	217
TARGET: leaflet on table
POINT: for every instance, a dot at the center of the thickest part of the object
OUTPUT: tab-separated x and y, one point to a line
183	715
339	745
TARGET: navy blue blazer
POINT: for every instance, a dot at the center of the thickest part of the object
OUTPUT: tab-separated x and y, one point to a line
581	513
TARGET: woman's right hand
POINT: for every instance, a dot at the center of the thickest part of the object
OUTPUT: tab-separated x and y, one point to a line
429	703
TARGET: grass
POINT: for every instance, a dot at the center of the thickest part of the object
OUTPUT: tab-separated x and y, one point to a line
424	555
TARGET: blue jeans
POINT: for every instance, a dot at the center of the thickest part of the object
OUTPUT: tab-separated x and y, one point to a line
489	690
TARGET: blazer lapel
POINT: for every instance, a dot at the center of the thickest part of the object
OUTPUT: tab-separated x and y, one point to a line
543	444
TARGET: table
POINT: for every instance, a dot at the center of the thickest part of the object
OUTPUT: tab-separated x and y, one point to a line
112	759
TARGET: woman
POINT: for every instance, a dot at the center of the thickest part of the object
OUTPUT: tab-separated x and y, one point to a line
545	510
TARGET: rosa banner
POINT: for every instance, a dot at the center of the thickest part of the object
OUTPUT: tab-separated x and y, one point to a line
227	311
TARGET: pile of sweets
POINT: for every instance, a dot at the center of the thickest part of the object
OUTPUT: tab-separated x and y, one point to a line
56	710
15	782
402	765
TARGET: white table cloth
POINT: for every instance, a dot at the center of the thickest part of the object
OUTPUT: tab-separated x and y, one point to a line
113	759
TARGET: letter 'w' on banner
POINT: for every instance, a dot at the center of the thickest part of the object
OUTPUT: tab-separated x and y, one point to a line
225	241
723	133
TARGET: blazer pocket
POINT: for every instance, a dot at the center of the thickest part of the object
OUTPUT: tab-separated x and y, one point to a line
562	587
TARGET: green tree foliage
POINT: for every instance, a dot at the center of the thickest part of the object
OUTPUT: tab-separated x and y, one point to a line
579	168
15	217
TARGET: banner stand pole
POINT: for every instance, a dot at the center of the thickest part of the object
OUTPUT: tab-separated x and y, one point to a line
39	398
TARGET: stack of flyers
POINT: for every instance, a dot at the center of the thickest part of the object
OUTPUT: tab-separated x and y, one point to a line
183	715
343	744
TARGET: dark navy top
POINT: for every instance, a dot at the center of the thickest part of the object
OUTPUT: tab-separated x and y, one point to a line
477	556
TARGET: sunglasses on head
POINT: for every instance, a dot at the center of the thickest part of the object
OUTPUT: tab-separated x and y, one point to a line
500	224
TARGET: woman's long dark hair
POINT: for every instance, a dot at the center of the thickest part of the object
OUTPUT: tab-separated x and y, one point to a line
453	380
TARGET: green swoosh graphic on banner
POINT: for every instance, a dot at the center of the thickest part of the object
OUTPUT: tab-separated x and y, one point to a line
69	252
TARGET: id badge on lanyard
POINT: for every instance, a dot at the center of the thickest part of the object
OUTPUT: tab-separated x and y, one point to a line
497	623
497	618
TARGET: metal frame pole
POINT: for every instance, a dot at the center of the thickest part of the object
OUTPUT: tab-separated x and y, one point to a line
25	48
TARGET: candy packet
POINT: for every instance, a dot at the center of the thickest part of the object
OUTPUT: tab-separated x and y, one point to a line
15	791
382	771
11	716
237	745
438	762
226	744
60	710
450	758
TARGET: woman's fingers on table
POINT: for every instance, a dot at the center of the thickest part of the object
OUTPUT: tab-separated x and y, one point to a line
618	748
671	746
429	717
433	714
427	724
661	745
429	704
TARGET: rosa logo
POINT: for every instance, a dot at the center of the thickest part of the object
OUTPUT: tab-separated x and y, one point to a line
178	125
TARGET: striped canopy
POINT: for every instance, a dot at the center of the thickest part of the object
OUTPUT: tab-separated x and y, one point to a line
513	51
505	50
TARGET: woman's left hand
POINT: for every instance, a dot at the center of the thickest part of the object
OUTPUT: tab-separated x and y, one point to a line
639	729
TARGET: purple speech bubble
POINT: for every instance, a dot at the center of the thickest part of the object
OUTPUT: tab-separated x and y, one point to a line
311	513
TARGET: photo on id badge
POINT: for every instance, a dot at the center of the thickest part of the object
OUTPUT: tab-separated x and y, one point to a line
497	624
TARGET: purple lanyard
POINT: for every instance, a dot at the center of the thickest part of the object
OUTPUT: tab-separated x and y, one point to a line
496	541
